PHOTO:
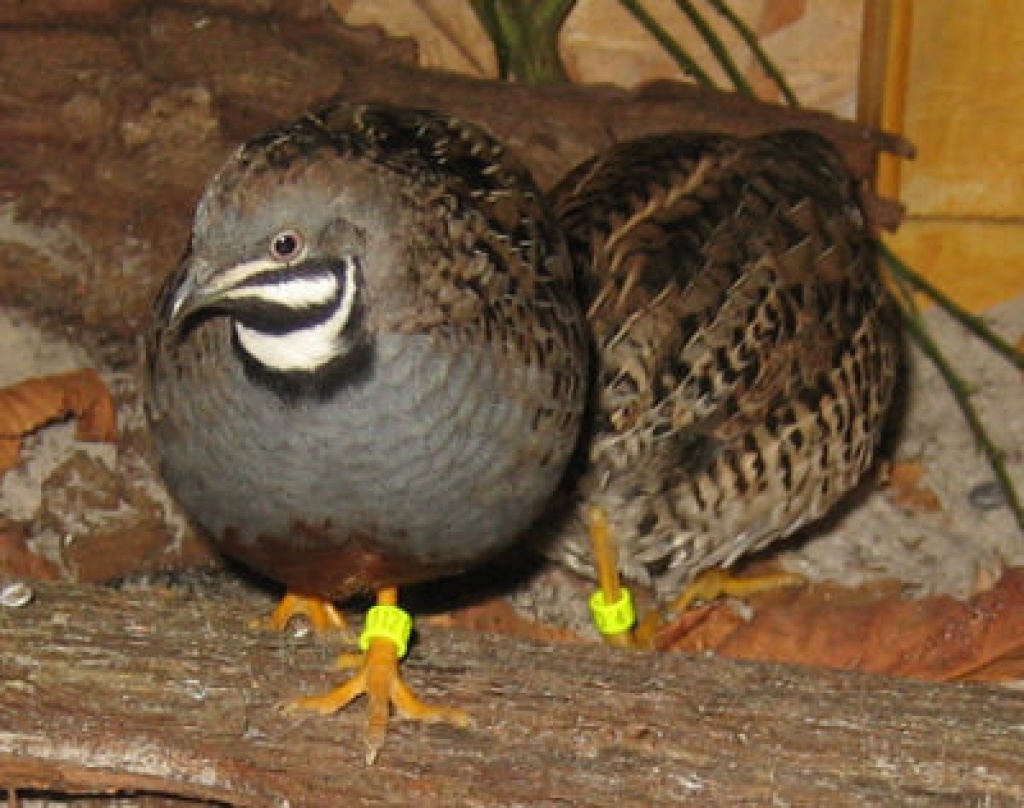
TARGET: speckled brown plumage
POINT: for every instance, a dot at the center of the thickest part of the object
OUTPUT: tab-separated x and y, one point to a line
399	397
746	347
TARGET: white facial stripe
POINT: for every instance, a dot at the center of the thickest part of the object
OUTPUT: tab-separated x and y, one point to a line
294	293
303	349
241	272
348	298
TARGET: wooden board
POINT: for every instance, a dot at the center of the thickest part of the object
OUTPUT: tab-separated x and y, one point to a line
964	110
965	190
979	262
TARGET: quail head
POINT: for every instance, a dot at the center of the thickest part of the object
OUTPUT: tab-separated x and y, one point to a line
369	368
746	347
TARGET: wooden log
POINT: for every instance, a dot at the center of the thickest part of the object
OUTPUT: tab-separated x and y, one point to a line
159	692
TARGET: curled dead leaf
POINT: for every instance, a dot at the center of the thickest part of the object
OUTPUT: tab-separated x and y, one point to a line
906	488
10	448
33	403
18	560
875	629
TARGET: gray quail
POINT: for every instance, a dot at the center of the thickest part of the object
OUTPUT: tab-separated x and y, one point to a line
746	348
369	368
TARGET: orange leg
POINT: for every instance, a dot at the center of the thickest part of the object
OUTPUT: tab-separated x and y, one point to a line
708	586
378	676
606	563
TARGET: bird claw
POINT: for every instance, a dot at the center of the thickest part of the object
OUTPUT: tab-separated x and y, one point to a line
709	586
379	678
301	614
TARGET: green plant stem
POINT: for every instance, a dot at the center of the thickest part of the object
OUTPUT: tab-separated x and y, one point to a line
750	39
976	325
525	37
962	394
686	62
717	47
487	14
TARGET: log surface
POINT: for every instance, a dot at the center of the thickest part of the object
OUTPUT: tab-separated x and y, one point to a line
159	692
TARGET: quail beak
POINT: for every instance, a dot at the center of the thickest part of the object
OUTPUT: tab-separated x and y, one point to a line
182	305
193	295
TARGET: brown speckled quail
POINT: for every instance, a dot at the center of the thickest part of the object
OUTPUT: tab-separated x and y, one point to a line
369	369
746	347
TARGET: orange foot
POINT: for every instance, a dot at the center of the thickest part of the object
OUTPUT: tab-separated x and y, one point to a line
379	678
711	585
320	615
708	586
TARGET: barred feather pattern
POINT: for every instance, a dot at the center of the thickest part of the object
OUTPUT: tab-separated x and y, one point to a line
746	350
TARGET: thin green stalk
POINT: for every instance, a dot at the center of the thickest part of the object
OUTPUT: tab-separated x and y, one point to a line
686	62
976	325
554	13
752	42
717	47
487	14
525	37
962	394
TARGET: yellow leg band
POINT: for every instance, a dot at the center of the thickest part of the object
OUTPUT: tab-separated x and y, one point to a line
613	618
387	622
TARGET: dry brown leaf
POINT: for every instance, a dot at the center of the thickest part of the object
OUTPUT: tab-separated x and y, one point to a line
496	616
877	630
17	560
905	489
780	14
10	449
33	403
700	628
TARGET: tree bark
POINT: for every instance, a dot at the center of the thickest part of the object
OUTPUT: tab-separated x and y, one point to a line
113	113
158	692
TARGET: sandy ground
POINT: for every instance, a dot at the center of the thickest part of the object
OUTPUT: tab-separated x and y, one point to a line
958	550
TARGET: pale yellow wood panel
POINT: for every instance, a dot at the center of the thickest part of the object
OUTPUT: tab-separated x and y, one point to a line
979	264
965	109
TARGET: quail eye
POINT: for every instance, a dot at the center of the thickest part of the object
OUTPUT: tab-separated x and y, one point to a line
286	245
